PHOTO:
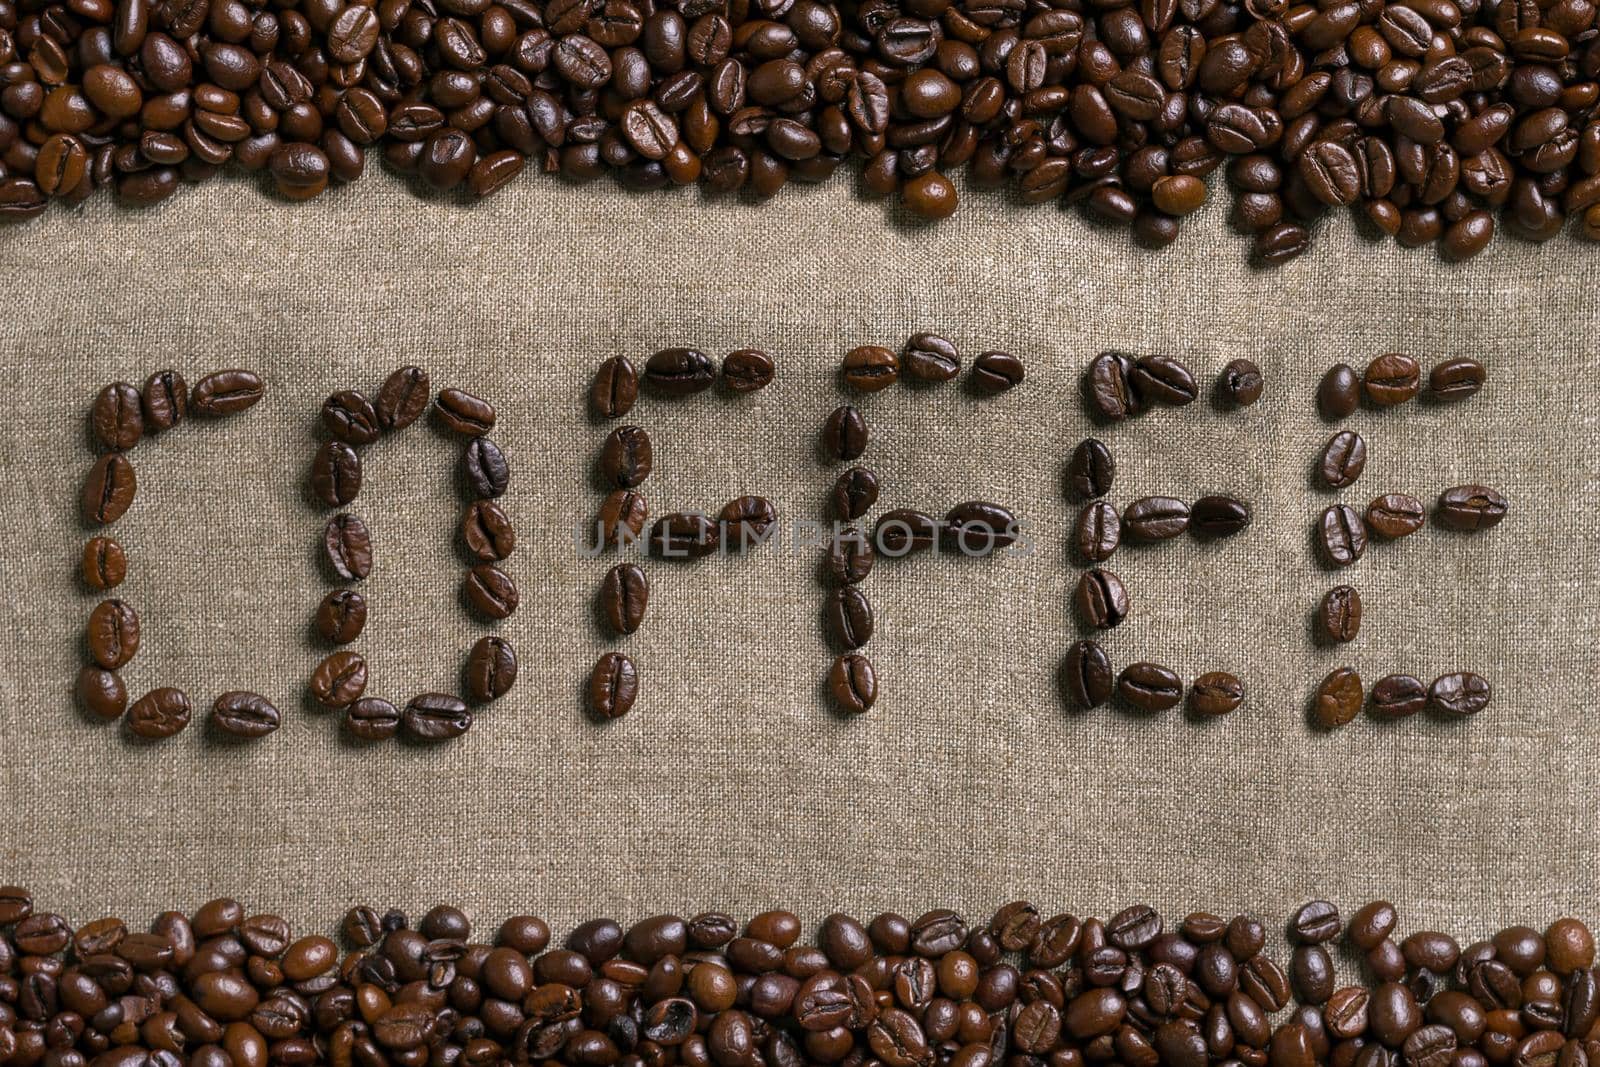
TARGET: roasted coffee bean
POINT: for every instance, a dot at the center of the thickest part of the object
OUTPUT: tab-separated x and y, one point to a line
434	717
104	563
902	531
485	470
342	616
1344	457
1311	974
159	714
348	547
118	417
1396	696
1392	379
854	494
1155	518
844	434
1241	382
626	458
461	412
928	357
1339	617
1149	687
1343	535
1394	515
108	493
615	388
1339	392
685	535
1109	387
680	372
1455	379
869	368
1090	471
339	679
624	595
1097	532
1315	922
1470	507
164	400
1162	380
101	692
1338	699
622	517
336	474
853	683
1087	675
978	528
226	392
1218	516
490	591
351	418
849	616
747	370
402	398
746	521
113	633
613	686
372	719
247	715
1458	695
995	372
1100	599
1215	693
850	556
491	669
487	532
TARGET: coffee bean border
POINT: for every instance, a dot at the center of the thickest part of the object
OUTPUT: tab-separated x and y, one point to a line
339	681
119	419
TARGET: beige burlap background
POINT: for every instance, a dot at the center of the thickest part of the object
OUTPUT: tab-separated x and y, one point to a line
732	784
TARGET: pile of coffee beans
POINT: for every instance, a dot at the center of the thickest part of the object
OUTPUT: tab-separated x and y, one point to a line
339	682
626	460
227	987
1343	532
121	416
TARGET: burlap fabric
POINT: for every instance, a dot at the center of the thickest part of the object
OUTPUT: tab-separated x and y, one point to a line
732	784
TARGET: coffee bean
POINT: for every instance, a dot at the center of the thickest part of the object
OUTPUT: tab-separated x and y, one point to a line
1218	516
339	679
101	692
853	683
1311	974
484	468
227	392
1344	457
1458	695
1215	693
372	719
869	368
461	412
613	686
242	714
622	517
902	531
850	556
680	372
1241	382
746	521
1343	535
487	531
105	565
108	493
1087	675
117	417
491	669
626	458
624	595
1455	379
1392	379
490	591
342	616
1163	380
1338	699
1100	599
348	547
615	388
159	714
849	616
113	633
351	418
1470	507
165	400
978	528
746	370
1339	393
336	474
685	535
1394	515
402	398
1109	390
1090	471
1097	532
1340	614
1149	687
995	372
929	357
1396	696
844	435
435	717
1155	518
854	493
1315	923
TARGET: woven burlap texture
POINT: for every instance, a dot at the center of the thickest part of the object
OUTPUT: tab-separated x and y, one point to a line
732	784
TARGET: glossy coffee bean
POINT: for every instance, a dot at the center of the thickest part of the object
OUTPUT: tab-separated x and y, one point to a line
613	686
160	714
624	596
336	474
848	613
978	528
854	493
351	418
339	679
1091	470
112	634
626	458
615	388
1162	380
853	683
491	669
1216	693
1241	382
903	531
1100	599
1338	699
1339	616
118	417
995	372
850	557
679	372
1155	518
1097	532
930	358
1149	687
1087	675
1470	507
622	517
1458	695
1398	696
402	398
109	490
1343	459
1109	388
342	616
1395	515
1342	535
104	565
1392	379
164	400
746	522
226	392
685	535
1339	393
1219	516
869	368
484	469
101	692
491	591
435	717
747	370
844	434
1455	379
487	532
461	412
347	546
372	719
245	715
